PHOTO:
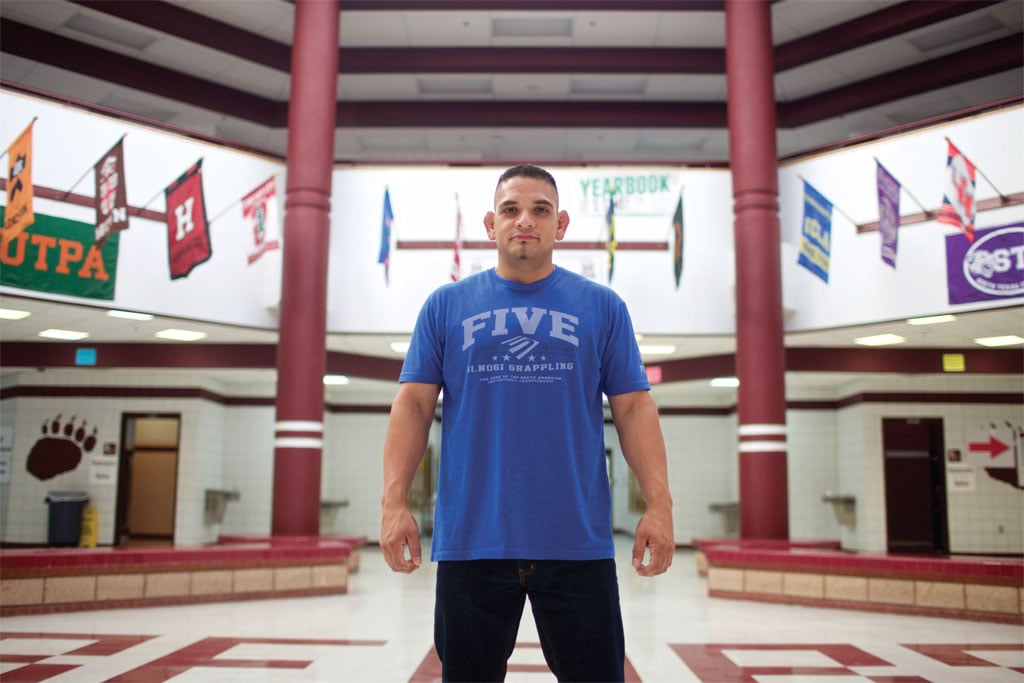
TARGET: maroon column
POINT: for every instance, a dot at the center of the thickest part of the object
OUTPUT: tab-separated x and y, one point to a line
760	350
301	361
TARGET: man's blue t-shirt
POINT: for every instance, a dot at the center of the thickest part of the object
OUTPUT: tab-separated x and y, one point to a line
523	472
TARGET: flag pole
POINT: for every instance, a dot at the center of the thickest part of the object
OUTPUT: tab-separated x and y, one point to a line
224	211
834	205
151	200
65	195
1002	196
927	213
4	153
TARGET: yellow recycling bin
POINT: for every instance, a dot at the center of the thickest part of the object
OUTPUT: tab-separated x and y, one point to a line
90	530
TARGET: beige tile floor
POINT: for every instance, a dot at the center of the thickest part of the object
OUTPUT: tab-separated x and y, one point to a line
381	632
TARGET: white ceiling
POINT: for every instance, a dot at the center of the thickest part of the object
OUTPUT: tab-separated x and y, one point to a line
231	66
474	28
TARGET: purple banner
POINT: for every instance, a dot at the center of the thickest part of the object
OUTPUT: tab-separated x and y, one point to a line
888	214
987	269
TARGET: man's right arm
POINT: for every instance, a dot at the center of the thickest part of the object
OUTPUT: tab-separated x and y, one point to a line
405	442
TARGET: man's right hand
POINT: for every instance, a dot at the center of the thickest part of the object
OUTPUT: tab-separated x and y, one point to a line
399	531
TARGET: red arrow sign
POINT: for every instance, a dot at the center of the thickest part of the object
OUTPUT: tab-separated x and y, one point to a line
994	446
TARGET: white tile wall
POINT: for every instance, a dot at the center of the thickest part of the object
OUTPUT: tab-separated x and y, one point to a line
811	470
231	447
353	449
248	469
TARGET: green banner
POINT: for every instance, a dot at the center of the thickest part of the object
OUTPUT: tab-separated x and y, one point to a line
59	256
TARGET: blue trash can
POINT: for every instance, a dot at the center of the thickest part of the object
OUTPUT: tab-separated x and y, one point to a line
65	522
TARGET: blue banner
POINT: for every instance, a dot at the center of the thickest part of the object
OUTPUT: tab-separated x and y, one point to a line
816	233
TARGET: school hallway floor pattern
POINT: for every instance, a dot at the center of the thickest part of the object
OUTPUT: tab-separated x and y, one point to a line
381	632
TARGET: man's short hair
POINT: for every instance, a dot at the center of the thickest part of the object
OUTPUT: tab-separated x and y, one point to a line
527	171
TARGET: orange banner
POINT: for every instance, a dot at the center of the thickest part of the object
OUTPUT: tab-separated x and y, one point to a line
19	214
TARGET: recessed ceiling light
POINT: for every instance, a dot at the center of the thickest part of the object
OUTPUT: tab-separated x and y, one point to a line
399	347
1005	340
13	314
336	380
656	349
880	340
931	320
129	315
180	335
730	382
66	335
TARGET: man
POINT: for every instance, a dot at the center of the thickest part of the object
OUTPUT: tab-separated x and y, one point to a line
524	353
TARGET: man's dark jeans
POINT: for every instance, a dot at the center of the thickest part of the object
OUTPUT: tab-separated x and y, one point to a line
575	607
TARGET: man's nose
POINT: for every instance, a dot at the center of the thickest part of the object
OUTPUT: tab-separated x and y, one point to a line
525	219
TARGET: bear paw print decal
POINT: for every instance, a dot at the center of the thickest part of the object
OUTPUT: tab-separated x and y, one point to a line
60	448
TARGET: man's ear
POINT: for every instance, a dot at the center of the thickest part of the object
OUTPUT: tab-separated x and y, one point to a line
489	224
563	223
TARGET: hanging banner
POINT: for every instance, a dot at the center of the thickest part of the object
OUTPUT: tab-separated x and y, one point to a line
188	238
386	221
111	195
19	185
59	256
991	268
260	213
958	207
677	243
888	213
816	233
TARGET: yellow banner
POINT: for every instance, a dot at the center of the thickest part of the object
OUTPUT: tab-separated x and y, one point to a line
19	214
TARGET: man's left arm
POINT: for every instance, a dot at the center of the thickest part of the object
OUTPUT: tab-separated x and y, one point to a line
636	420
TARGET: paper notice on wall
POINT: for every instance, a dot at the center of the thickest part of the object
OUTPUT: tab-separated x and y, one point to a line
103	471
6	446
960	478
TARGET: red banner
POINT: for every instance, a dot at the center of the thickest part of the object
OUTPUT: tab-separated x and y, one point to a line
188	236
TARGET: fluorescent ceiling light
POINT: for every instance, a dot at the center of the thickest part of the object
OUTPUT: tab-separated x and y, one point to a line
880	340
931	320
730	382
621	85
129	315
656	349
531	27
336	380
454	86
66	335
180	335
13	314
399	347
1005	340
